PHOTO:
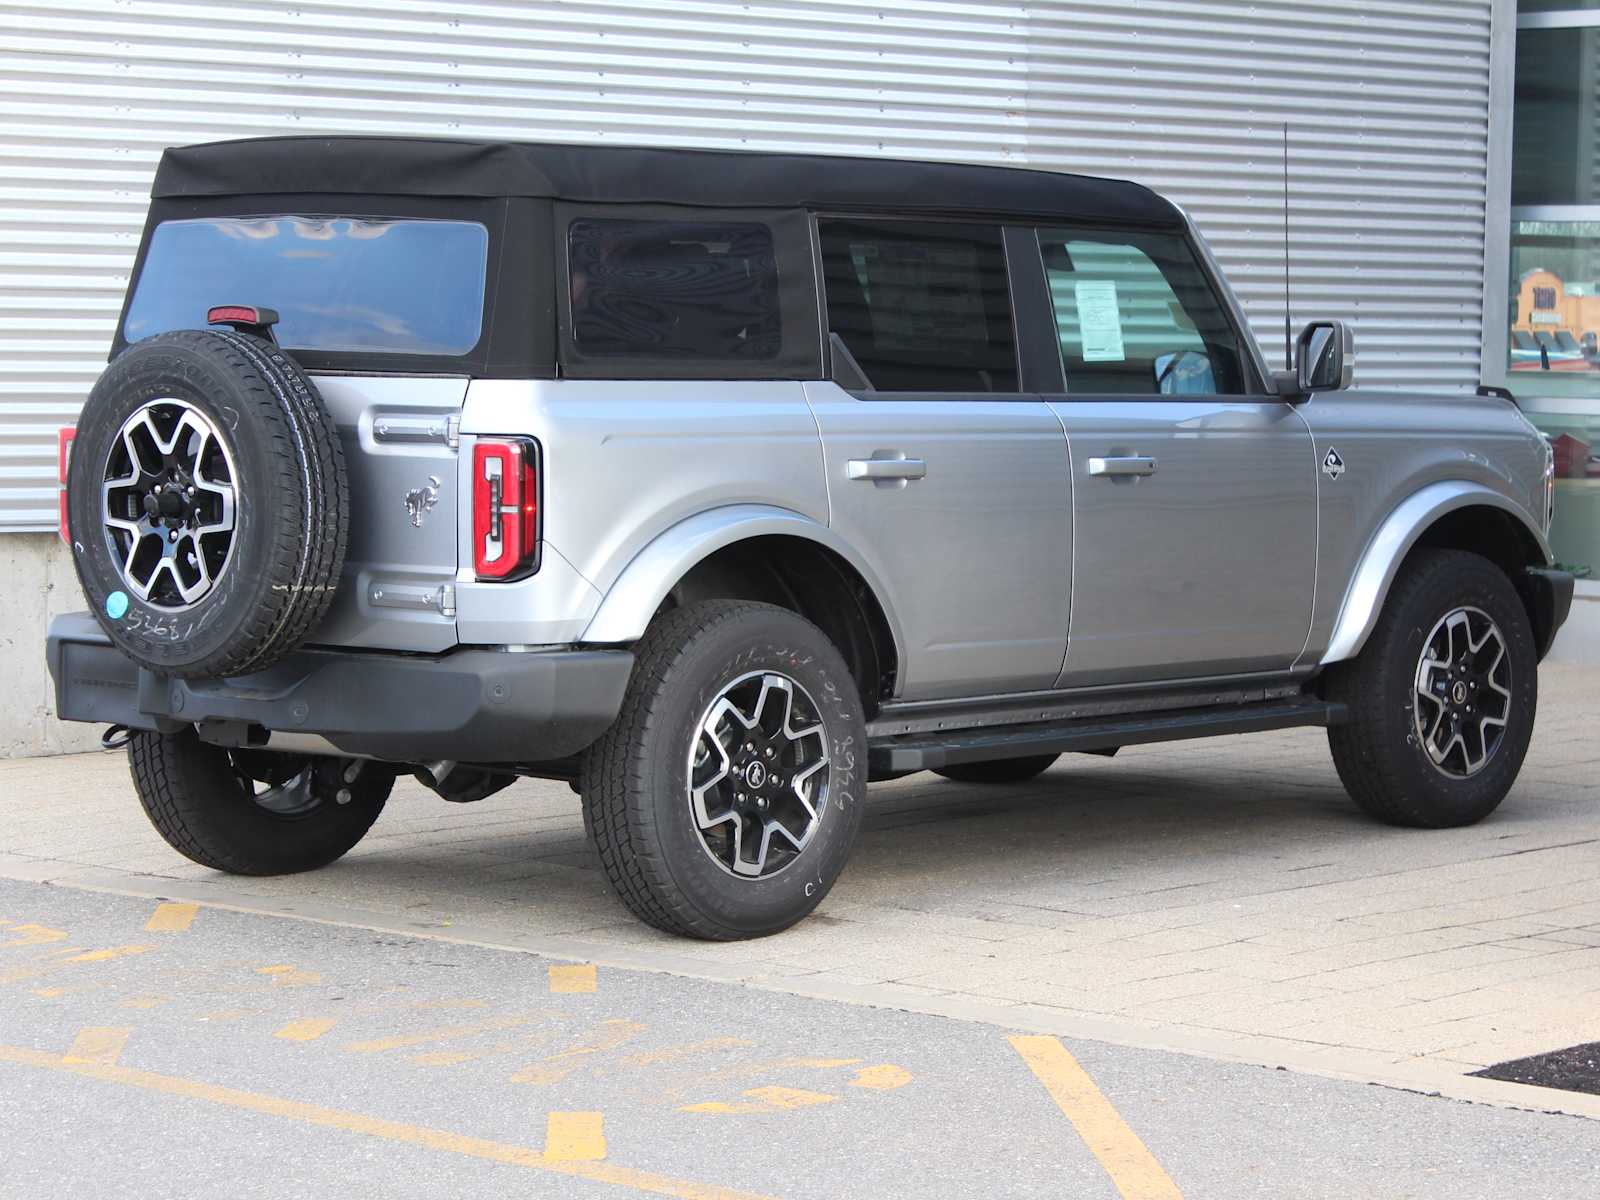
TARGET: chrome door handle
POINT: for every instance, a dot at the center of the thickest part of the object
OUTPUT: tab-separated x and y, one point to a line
886	468
1132	464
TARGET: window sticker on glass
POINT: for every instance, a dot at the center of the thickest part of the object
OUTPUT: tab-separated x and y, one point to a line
1099	323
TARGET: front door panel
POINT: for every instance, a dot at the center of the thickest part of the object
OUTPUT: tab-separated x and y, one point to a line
1199	561
961	505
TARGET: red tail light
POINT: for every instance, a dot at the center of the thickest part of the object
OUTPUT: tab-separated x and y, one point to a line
505	508
64	438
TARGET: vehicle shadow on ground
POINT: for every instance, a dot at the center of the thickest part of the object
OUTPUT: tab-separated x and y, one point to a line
1092	836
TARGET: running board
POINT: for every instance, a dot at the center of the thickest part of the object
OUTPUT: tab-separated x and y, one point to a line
905	753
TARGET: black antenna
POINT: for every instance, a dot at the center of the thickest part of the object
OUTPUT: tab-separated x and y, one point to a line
1288	337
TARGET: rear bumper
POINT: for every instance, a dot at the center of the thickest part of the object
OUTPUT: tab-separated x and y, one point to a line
1547	593
469	705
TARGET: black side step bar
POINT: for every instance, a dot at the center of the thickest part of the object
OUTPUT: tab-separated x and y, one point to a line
924	751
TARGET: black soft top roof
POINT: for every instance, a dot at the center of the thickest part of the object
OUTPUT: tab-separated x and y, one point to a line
381	166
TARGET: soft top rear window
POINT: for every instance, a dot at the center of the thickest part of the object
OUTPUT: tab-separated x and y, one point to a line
339	284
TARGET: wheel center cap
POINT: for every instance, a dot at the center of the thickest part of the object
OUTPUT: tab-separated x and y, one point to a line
1458	693
756	774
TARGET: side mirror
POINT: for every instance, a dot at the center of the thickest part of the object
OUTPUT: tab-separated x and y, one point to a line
1324	357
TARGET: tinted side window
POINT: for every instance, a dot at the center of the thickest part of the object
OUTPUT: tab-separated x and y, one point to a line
674	289
1135	314
922	306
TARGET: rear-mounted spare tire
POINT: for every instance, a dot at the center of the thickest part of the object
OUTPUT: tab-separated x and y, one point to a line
207	503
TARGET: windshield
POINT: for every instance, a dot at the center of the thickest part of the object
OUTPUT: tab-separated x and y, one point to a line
337	283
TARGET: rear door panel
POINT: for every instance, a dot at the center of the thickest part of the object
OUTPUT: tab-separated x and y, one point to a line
404	511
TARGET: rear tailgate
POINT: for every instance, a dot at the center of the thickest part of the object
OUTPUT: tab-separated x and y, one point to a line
399	435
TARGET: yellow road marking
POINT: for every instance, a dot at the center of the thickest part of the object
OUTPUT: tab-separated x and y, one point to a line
49	993
171	918
34	935
142	1002
664	1054
444	1058
285	975
557	1067
73	955
98	1046
884	1077
94	956
394	1131
574	1137
764	1100
1132	1168
572	978
436	1035
307	1030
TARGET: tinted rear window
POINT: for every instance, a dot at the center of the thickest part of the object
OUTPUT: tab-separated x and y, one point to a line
674	289
339	284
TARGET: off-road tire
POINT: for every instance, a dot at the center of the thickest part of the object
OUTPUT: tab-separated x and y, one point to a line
1379	757
292	506
635	784
999	770
198	803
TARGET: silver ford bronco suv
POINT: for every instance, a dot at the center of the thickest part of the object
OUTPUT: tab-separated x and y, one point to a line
720	484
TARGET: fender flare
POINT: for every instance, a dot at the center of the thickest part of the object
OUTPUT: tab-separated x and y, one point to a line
1380	561
638	591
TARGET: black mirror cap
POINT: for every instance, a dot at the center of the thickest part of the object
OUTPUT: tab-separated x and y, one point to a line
1324	357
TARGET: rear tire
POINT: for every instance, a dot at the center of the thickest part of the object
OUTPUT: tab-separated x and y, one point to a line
1000	770
1451	657
739	718
204	800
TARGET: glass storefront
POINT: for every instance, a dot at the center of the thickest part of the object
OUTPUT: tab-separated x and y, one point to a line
1553	310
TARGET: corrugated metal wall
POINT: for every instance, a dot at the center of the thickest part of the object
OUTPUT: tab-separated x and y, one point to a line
1389	107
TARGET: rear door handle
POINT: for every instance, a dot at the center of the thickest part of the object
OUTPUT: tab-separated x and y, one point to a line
886	468
1131	464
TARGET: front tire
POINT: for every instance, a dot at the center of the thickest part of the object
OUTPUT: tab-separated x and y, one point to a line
725	798
999	770
1441	699
253	812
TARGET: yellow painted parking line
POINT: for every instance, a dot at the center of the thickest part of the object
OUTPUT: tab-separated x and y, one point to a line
94	956
287	975
34	935
554	1068
171	918
307	1030
763	1100
666	1054
1132	1168
73	954
98	1046
572	978
377	1127
884	1077
449	1033
574	1137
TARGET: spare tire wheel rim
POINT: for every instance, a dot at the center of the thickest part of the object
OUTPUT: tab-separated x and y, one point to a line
758	774
1463	689
168	503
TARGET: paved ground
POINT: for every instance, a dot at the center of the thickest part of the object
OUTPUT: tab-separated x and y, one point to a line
1219	897
151	1049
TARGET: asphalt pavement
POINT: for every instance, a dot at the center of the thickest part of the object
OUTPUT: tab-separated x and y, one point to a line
174	1049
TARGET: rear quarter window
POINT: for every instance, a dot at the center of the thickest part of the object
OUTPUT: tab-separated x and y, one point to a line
339	284
674	289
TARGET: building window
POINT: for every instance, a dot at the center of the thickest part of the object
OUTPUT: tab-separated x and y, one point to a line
1553	309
